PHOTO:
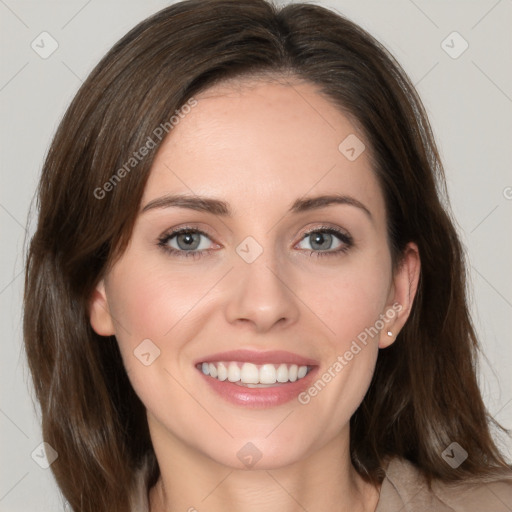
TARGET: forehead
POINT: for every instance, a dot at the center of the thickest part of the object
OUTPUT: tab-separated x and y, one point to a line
254	143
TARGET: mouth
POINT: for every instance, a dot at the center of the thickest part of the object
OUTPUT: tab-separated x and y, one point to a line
254	376
257	379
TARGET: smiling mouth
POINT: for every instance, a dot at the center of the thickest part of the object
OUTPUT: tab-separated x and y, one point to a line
254	375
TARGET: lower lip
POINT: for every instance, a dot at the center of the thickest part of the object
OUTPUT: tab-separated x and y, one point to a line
260	397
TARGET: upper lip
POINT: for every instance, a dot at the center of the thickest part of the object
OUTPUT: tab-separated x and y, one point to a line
259	357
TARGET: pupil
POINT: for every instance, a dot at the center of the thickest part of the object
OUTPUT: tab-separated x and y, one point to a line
188	239
322	240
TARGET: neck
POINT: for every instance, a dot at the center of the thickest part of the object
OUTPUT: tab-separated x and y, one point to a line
326	480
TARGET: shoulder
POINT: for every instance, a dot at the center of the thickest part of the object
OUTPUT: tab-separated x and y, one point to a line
404	488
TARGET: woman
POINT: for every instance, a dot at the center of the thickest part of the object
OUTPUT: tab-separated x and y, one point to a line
244	291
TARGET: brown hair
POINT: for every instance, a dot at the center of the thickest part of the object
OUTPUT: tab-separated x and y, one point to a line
424	392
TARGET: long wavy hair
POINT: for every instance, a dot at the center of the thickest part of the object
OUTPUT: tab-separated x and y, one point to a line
424	393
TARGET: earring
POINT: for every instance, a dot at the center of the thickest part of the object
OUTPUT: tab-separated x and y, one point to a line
390	333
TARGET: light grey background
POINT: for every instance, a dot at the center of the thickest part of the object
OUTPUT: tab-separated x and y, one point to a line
469	100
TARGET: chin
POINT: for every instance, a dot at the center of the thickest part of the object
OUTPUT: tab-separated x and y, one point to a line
256	454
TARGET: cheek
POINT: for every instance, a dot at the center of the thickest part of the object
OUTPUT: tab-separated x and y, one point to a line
351	299
147	300
148	308
156	311
351	305
348	304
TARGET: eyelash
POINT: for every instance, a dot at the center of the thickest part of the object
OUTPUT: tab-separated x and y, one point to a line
343	237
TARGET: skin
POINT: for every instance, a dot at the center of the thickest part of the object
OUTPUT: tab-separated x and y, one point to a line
257	145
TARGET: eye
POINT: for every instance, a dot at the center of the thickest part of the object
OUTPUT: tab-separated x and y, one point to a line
192	242
326	241
185	242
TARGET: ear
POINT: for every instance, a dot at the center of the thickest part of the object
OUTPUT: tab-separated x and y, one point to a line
401	297
99	312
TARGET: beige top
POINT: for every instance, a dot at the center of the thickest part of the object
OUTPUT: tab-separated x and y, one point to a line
405	490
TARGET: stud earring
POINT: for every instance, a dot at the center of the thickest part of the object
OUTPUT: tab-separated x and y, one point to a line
390	333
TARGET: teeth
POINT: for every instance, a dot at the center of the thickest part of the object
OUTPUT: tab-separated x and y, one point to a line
268	374
282	373
252	374
222	371
233	372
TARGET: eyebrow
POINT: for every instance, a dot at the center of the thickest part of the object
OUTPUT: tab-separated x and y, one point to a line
218	207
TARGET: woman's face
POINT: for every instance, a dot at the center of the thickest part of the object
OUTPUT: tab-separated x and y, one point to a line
272	277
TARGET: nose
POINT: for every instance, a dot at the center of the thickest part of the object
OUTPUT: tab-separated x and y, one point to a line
261	295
